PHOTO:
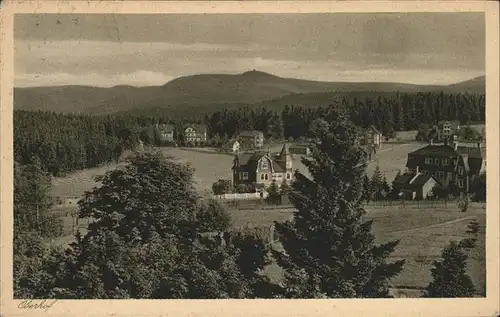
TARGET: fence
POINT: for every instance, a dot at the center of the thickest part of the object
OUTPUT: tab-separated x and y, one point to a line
241	196
419	203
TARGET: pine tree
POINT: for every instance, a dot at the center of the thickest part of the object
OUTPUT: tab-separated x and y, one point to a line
376	184
367	189
386	188
285	188
449	278
328	250
273	193
394	189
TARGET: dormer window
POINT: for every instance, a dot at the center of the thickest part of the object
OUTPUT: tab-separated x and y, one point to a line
264	164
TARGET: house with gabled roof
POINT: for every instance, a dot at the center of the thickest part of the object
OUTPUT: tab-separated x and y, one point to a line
372	137
165	131
195	133
415	185
262	168
448	163
251	140
446	129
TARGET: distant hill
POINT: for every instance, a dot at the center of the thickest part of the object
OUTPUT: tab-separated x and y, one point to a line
476	85
208	91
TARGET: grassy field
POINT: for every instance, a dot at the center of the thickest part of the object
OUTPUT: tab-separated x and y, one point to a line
210	165
422	234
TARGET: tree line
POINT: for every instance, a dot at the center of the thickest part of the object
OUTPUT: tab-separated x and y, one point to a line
68	142
388	113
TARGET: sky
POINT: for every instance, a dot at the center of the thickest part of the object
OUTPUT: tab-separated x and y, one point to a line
144	50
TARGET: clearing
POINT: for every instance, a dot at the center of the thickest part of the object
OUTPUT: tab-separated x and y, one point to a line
210	165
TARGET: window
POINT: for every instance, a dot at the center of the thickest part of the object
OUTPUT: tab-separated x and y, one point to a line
461	183
446	161
266	177
264	164
428	160
436	161
287	175
245	176
261	177
460	170
440	175
449	176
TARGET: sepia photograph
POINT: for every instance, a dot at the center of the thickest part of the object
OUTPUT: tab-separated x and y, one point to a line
323	155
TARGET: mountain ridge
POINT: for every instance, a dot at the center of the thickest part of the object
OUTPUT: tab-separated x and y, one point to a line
252	87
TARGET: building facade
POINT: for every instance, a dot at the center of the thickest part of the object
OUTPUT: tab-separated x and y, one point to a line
447	129
251	140
195	133
262	168
416	186
232	146
448	163
166	132
372	137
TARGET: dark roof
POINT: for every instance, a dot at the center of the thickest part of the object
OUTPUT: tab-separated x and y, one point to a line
285	150
373	129
199	128
418	181
277	167
252	133
403	179
436	150
166	127
248	158
421	180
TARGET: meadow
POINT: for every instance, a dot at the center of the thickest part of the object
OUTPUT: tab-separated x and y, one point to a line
422	232
422	235
210	165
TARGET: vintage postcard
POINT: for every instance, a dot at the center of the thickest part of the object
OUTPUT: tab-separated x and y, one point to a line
250	158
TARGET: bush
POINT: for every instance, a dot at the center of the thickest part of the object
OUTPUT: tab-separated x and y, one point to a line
51	226
222	186
463	204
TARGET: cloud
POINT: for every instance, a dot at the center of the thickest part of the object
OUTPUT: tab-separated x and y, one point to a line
137	78
39	63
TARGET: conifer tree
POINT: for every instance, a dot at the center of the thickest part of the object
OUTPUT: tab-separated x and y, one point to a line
273	194
367	189
386	188
376	183
328	250
449	278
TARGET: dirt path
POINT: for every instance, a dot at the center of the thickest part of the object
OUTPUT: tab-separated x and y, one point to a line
433	226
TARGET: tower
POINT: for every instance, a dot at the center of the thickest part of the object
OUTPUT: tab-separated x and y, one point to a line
286	157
